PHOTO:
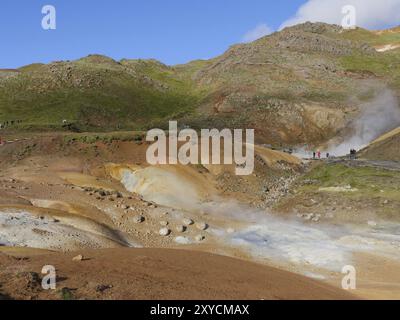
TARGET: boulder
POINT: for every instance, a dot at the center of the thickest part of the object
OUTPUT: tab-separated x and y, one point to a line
164	232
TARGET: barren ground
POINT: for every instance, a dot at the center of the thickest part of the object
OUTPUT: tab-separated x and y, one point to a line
100	200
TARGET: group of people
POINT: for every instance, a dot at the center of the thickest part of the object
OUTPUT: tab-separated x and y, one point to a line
353	154
10	123
318	155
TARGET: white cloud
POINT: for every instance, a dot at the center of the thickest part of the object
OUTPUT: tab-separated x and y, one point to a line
370	14
258	32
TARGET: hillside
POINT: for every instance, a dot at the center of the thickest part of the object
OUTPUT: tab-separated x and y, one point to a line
306	82
95	92
386	147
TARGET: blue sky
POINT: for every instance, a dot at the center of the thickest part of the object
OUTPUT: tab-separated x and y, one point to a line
172	31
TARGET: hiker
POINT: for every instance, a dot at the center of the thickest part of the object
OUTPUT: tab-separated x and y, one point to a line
327	155
319	154
313	155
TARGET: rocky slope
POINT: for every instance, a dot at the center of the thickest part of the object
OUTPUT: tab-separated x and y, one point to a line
300	85
306	82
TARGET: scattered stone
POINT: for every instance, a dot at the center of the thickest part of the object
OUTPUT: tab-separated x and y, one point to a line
315	219
78	258
103	287
329	215
164	232
30	280
182	240
310	181
138	219
124	206
308	216
199	238
201	226
164	223
372	223
187	222
180	228
230	230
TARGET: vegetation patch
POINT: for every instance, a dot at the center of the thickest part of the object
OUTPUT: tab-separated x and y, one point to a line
366	181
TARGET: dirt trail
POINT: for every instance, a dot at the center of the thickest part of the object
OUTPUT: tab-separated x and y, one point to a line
377	164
